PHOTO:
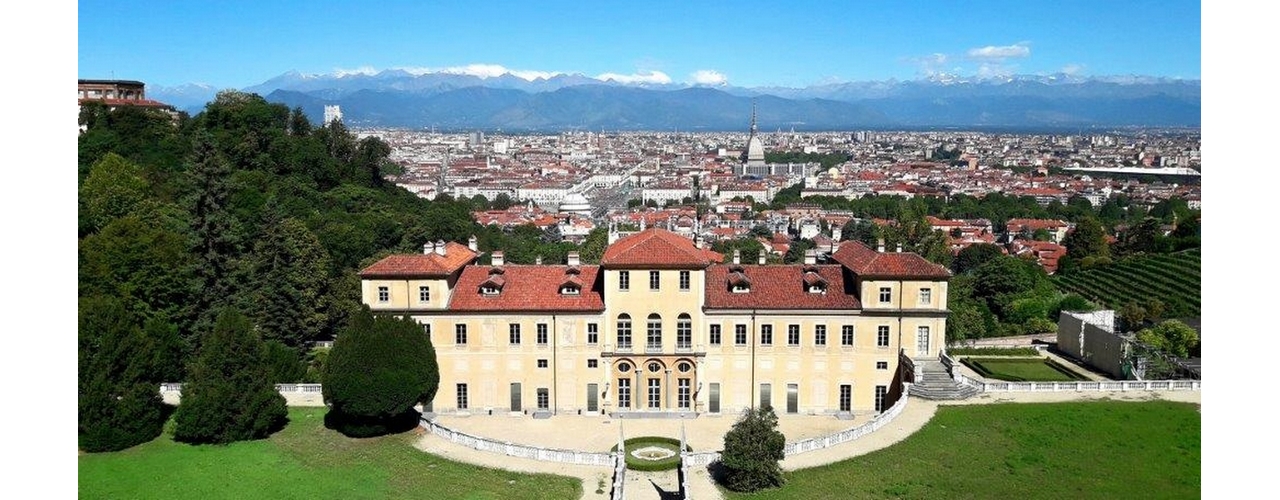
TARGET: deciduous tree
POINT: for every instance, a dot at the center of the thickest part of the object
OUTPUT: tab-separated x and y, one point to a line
752	449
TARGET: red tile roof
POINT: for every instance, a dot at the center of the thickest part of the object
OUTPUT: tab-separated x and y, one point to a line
528	288
146	103
415	265
658	249
778	287
864	261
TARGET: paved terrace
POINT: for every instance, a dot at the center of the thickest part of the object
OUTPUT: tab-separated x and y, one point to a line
706	433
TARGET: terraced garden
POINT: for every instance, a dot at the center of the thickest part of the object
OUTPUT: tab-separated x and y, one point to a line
1174	279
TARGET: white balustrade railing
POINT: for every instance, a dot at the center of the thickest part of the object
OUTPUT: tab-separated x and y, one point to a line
521	451
1082	386
282	388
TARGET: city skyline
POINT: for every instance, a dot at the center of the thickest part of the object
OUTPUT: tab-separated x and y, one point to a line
753	44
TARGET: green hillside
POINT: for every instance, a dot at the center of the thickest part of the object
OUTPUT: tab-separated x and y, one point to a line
1173	279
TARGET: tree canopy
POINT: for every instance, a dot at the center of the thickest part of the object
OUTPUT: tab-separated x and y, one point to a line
379	368
752	449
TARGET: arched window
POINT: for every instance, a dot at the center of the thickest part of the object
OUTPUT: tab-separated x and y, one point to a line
684	332
624	331
653	338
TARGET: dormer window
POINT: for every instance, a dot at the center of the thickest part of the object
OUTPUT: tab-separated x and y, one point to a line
741	288
489	290
817	289
569	290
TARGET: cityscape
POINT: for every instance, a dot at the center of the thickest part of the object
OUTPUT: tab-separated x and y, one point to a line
934	272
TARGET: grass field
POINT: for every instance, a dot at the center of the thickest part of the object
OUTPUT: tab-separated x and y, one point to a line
1021	369
1080	450
304	461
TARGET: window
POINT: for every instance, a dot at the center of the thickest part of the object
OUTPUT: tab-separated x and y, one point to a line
568	290
684	332
793	335
766	334
624	280
655	393
384	294
684	280
766	395
624	392
740	288
882	365
593	333
817	289
886	294
881	392
624	331
882	336
715	335
793	398
489	290
424	294
682	393
740	334
544	398
846	397
653	333
542	363
654	280
513	333
542	334
820	335
460	334
591	363
426	330
462	396
926	296
846	335
713	398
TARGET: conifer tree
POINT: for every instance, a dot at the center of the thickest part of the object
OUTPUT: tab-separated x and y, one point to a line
378	369
229	395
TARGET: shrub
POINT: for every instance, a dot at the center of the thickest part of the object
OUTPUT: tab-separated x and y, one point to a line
377	370
119	404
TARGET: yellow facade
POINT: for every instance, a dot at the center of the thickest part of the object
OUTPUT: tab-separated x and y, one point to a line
654	344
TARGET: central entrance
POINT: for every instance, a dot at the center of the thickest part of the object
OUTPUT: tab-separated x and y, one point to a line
654	384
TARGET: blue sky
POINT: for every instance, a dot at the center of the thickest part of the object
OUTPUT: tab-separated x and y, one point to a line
747	43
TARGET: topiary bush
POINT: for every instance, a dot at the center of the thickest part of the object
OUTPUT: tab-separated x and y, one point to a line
377	370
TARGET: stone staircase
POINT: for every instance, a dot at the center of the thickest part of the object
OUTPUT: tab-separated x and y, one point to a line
936	383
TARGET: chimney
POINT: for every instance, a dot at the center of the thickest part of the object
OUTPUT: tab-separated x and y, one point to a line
498	259
428	248
762	257
574	259
473	244
880	245
737	256
810	256
899	247
439	247
538	260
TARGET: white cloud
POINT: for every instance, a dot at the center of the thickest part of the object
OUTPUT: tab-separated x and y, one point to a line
1073	69
708	77
640	77
482	71
995	53
363	70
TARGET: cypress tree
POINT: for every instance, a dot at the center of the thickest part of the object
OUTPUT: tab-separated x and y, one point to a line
378	369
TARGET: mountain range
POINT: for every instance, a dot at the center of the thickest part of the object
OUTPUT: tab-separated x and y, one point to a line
398	98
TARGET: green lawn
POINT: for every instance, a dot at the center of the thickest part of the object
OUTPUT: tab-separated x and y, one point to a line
304	461
1021	369
1080	450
